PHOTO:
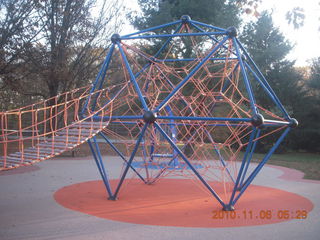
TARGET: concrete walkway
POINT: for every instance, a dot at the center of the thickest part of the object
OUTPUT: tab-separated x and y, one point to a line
29	211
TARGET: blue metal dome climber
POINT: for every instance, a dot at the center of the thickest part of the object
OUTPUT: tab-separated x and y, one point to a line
186	105
183	99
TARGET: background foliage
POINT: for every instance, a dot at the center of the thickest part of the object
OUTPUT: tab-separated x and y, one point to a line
48	47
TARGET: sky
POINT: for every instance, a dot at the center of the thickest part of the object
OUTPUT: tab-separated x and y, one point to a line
306	39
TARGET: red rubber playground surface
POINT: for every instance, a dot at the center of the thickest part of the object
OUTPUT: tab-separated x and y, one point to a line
181	203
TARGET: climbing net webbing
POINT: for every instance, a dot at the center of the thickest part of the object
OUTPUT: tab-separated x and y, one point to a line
48	128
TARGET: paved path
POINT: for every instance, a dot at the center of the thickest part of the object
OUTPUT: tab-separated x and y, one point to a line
29	211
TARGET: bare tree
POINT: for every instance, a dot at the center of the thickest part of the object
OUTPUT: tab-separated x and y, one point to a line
54	45
73	42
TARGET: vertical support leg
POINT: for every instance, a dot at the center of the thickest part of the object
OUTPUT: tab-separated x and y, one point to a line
100	166
230	205
120	154
114	197
249	159
260	165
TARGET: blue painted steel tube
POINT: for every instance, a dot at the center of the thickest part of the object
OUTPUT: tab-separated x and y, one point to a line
205	118
163	47
265	88
209	125
153	28
106	118
173	135
120	154
249	158
174	156
245	78
103	174
201	30
261	164
192	59
187	124
211	37
101	72
262	78
268	90
99	156
167	41
173	35
184	81
157	54
130	160
103	76
133	79
207	25
252	135
189	164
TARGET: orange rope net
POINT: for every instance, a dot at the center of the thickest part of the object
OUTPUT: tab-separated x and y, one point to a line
48	128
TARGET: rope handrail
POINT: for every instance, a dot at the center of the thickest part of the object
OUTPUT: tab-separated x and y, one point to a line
47	123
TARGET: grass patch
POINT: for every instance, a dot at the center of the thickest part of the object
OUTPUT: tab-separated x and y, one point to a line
308	163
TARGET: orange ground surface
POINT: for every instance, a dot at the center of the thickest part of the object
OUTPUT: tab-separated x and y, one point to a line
181	203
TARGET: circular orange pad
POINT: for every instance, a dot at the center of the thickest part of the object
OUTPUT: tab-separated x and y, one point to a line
181	203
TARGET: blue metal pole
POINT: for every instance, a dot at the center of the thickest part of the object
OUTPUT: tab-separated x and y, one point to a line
133	79
205	119
207	25
211	37
242	168
192	59
249	158
173	135
102	173
263	79
190	124
101	72
103	76
108	60
261	164
153	28
158	53
245	78
167	41
268	91
184	81
174	156
152	145
173	35
99	157
120	154
125	117
209	125
161	49
114	197
189	164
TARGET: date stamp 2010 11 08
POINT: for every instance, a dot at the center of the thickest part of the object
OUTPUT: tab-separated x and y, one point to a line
260	215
